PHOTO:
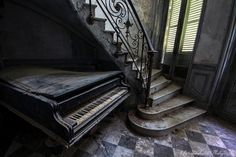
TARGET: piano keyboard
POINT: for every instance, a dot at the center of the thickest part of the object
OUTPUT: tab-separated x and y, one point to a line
98	104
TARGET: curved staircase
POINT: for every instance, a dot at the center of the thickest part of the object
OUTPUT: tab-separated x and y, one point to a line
170	109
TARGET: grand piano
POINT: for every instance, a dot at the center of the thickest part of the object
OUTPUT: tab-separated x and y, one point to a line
64	104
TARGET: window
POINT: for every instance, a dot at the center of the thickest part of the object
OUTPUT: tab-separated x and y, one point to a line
172	25
190	25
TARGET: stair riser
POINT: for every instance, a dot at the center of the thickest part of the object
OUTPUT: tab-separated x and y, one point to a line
155	133
154	77
87	8
166	97
159	87
160	114
101	24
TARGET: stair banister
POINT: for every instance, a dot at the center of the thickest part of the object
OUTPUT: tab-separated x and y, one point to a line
124	19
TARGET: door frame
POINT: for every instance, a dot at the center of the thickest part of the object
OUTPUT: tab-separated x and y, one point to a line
189	55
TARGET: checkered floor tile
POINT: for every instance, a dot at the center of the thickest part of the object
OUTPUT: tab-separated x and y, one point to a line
208	137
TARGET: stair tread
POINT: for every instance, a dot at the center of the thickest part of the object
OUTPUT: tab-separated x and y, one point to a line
158	81
172	103
173	119
154	72
138	66
109	31
100	19
93	5
131	60
168	90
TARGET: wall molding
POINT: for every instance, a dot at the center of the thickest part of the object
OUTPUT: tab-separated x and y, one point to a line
199	85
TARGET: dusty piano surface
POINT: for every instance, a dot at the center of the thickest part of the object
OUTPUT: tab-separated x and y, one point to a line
64	104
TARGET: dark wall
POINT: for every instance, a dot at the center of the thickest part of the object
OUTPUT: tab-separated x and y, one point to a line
28	35
32	38
209	49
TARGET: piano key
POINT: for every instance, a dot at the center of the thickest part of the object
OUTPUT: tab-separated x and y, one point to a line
94	106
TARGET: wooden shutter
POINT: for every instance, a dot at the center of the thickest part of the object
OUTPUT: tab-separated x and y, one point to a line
190	29
173	19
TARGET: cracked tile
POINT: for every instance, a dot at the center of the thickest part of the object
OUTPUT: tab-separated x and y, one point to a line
195	136
163	151
219	152
145	147
214	141
128	142
123	152
200	149
181	153
181	144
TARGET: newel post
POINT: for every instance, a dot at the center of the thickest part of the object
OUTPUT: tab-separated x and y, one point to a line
150	61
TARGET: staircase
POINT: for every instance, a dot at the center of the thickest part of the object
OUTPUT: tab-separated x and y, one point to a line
170	109
164	108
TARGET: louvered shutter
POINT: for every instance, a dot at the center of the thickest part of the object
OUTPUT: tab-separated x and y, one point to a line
173	18
191	25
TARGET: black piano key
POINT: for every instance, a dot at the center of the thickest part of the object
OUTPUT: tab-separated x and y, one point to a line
90	107
73	118
76	116
82	112
97	103
81	115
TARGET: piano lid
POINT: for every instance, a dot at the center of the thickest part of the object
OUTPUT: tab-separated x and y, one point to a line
50	82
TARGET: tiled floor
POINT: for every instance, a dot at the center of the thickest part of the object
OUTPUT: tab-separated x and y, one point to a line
203	138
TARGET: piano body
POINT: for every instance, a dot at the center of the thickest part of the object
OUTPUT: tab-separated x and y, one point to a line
63	104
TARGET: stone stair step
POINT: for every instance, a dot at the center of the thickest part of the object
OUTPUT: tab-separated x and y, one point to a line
155	74
87	5
163	108
120	53
158	84
110	31
130	60
164	125
101	22
138	67
165	94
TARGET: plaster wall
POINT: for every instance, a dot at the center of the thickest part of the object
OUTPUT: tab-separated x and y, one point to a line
213	33
144	9
209	49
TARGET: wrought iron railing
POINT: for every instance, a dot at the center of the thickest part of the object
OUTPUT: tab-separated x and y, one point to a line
131	33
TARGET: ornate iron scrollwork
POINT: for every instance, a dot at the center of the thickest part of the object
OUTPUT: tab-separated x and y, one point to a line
125	21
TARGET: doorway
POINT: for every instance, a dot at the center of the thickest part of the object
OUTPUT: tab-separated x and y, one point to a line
181	35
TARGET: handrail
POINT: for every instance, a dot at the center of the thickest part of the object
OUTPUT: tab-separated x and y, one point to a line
129	29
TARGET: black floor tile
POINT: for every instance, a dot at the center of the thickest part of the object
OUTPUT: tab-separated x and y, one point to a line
207	130
22	152
230	144
80	153
181	144
128	142
195	136
219	152
136	154
107	151
163	151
